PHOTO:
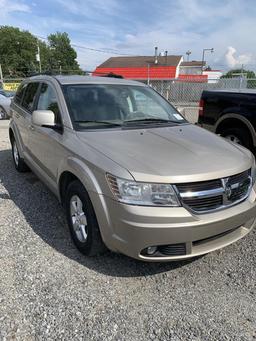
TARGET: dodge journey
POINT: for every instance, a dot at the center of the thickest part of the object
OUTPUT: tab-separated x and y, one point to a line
131	173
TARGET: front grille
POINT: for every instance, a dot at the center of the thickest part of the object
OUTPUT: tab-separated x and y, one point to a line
199	186
239	192
202	204
239	177
173	249
205	196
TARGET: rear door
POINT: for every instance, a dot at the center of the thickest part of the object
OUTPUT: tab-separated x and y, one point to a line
22	108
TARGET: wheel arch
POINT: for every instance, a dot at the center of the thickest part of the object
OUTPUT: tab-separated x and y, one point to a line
75	169
14	134
65	179
235	120
11	134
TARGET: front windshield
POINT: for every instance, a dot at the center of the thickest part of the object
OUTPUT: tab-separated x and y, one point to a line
107	105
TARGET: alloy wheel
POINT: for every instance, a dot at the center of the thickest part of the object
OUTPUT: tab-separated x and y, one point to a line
78	218
15	153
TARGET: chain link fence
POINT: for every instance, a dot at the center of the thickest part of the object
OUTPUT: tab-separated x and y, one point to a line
186	94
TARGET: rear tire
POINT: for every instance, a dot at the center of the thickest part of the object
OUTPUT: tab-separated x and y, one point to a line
241	136
82	220
19	163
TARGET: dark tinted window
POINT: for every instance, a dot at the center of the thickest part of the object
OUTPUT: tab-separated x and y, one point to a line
30	96
19	93
48	101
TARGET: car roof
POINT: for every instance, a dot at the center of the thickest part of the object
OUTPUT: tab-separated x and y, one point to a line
86	80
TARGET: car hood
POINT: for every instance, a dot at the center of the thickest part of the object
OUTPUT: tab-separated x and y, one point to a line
170	154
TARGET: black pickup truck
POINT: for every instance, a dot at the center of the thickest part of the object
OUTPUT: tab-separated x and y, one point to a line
230	113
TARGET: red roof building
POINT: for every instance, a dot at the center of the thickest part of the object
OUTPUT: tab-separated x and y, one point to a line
141	67
153	68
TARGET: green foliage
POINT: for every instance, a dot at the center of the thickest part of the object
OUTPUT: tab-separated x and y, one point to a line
239	72
250	75
61	52
18	51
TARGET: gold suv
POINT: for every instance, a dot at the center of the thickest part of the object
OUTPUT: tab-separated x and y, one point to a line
132	174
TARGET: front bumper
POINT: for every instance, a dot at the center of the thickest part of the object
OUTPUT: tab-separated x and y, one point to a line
134	228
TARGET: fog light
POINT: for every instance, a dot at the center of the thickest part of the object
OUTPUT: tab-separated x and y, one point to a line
151	250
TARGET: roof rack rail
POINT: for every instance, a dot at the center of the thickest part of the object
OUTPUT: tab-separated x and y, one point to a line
45	73
113	75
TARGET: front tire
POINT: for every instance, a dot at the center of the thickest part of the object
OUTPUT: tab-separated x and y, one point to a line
82	220
19	163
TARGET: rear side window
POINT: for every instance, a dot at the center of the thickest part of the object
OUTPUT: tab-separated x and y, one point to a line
19	93
30	96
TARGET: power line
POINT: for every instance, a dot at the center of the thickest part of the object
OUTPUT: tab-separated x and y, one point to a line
108	51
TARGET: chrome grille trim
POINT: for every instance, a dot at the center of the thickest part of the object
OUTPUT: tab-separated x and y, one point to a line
202	194
228	192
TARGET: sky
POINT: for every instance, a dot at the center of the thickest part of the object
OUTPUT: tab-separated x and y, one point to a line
135	27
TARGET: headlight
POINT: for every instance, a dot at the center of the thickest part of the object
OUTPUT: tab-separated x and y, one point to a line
141	193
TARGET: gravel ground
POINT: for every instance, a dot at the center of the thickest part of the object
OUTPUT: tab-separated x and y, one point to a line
49	291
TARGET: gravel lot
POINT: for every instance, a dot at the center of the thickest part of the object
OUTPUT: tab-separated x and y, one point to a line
49	291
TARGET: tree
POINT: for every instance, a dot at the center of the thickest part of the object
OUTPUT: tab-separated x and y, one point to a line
62	55
45	55
17	51
248	74
239	72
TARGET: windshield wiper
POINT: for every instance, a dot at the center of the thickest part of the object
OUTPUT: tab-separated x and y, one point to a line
151	119
113	124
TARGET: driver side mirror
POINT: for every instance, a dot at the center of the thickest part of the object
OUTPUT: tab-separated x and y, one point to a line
46	119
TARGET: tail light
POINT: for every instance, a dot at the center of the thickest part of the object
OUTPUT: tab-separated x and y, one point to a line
201	108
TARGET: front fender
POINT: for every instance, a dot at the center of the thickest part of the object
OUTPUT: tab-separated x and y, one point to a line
95	183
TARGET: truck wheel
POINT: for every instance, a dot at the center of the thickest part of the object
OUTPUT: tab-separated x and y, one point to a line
19	163
82	220
239	135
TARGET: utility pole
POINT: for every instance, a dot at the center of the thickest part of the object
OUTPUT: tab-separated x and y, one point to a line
1	76
241	77
148	74
60	67
38	57
242	70
188	53
204	50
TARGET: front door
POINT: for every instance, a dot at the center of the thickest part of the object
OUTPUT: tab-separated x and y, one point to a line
45	143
